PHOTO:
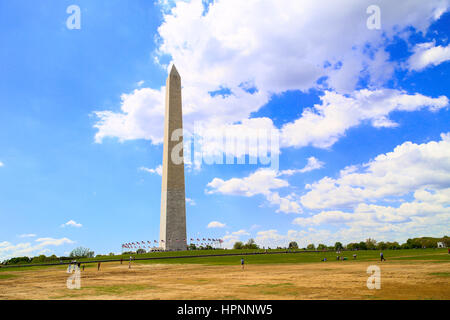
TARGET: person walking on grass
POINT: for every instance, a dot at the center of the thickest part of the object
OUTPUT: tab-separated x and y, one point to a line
242	263
98	266
382	257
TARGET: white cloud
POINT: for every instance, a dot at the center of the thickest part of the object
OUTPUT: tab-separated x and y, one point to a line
261	182
427	215
216	224
9	250
323	125
190	201
1	164
231	44
406	169
157	170
427	54
231	47
27	235
272	235
140	83
53	242
230	238
313	164
368	200
141	117
71	223
241	232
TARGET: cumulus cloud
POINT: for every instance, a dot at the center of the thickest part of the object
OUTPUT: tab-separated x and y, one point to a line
40	246
230	238
323	125
229	50
1	164
428	214
71	223
157	170
368	200
27	235
141	117
216	224
313	164
261	182
428	54
190	201
406	169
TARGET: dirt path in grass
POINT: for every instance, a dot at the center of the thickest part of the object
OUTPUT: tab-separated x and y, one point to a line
327	280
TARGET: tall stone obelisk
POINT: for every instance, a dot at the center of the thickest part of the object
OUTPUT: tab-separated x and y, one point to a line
173	202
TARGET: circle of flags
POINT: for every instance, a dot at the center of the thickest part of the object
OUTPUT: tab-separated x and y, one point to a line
148	244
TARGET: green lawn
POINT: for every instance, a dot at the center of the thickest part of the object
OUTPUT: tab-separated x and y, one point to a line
439	255
309	257
7	276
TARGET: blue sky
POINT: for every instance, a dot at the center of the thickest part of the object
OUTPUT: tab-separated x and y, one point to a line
362	115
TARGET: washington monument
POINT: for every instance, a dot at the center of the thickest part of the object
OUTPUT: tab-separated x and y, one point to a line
173	202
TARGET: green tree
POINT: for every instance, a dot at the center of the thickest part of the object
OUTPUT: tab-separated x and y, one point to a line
392	245
321	246
293	245
141	251
238	245
338	246
311	246
39	259
81	252
251	244
192	246
382	246
446	241
371	244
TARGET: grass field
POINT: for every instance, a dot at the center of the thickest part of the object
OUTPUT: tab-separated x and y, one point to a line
407	274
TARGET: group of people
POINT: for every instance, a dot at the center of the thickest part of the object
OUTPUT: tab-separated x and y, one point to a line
354	257
75	265
242	261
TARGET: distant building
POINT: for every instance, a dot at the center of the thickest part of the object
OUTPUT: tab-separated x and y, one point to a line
441	245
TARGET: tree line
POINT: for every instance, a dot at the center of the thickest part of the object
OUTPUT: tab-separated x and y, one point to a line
369	244
76	253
